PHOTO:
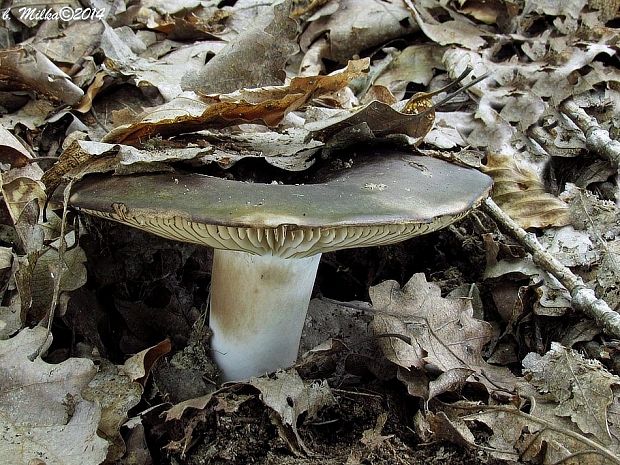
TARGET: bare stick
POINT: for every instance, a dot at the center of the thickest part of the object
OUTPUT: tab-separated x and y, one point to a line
583	298
597	138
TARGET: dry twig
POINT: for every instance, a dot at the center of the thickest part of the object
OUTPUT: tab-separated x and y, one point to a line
583	298
597	139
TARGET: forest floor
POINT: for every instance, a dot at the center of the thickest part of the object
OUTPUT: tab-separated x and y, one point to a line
456	347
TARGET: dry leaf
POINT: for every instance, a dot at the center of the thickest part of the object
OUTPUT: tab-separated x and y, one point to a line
271	37
415	63
288	396
28	69
42	413
520	193
189	112
115	392
139	366
418	328
486	11
537	436
553	298
42	281
450	32
13	152
581	388
376	119
356	26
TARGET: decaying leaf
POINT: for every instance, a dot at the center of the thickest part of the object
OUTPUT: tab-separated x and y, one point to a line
413	64
461	32
115	392
42	413
521	436
520	193
581	388
73	276
117	389
553	298
288	396
375	119
13	152
570	247
601	219
20	192
11	318
371	439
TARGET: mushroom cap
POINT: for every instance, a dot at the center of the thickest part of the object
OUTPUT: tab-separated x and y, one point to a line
381	199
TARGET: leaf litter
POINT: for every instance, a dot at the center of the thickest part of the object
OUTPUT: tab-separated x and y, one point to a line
385	368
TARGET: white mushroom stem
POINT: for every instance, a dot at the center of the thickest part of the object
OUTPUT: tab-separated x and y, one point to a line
258	306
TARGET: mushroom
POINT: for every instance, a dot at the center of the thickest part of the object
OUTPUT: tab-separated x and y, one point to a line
268	238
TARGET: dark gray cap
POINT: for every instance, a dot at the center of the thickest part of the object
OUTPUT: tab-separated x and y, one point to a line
380	199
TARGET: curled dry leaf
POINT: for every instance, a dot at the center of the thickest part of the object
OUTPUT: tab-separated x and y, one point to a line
114	391
520	193
378	119
459	32
268	105
117	389
73	276
42	413
28	69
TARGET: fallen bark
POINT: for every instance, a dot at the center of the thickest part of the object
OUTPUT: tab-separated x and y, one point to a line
583	298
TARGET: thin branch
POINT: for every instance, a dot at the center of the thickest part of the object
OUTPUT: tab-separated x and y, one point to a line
583	298
597	138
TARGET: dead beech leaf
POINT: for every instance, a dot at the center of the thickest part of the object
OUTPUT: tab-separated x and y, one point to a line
268	105
582	388
288	396
42	413
28	69
520	193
